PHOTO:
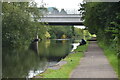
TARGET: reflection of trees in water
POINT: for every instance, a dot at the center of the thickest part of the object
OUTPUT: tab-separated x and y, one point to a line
17	63
34	47
55	50
52	50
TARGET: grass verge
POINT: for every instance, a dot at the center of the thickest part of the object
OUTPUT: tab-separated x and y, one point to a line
111	56
65	70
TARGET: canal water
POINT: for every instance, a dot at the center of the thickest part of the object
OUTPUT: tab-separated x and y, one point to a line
22	63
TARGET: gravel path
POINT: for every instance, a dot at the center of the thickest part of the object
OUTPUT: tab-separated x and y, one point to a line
94	64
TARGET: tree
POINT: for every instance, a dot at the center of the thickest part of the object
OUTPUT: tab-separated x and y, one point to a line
53	10
103	20
47	35
20	23
78	33
59	31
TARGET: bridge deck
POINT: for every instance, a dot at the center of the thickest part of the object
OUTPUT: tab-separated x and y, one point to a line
62	19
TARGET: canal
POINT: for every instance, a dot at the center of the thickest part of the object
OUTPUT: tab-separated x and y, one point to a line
21	63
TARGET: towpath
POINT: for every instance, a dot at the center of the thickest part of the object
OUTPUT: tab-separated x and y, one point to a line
94	64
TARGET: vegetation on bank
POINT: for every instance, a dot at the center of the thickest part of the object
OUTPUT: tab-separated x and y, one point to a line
20	23
103	19
65	70
110	53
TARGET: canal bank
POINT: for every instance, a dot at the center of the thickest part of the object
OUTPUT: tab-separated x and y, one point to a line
65	66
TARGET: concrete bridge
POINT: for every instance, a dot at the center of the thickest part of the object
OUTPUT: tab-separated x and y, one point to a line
62	19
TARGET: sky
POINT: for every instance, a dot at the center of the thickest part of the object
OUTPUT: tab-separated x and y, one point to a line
68	5
71	6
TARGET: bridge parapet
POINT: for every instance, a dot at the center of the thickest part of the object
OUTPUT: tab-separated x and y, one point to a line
65	19
63	15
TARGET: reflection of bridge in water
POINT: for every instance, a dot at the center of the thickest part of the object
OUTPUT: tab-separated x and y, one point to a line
62	19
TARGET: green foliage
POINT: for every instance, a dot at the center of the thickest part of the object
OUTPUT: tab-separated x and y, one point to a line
111	55
59	31
43	10
20	23
78	33
103	19
47	35
86	34
68	31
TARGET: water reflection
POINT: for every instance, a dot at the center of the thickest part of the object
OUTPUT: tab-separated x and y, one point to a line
19	63
34	47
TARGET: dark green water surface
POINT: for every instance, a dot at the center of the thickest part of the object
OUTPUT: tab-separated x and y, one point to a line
21	63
